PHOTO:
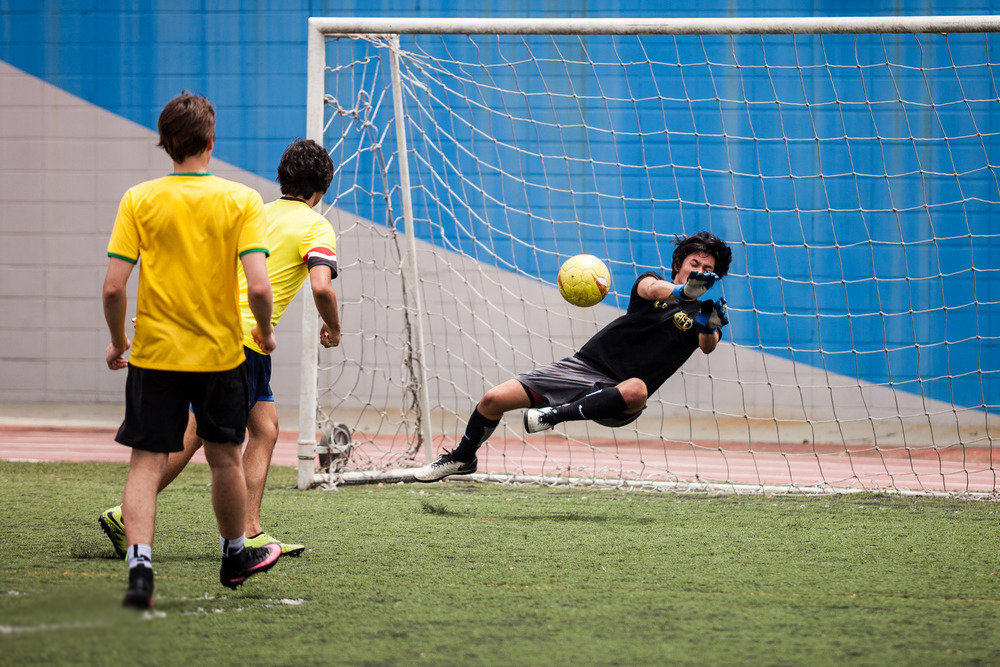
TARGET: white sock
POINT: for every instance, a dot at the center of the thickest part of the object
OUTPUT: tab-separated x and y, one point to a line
232	547
140	555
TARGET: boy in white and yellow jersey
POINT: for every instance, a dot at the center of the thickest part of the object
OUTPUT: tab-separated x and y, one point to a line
302	245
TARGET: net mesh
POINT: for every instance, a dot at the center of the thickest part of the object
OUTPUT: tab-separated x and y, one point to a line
853	176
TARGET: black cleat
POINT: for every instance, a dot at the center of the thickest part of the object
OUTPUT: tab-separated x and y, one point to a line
250	561
140	589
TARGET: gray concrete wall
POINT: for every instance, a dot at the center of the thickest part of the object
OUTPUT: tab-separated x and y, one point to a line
64	165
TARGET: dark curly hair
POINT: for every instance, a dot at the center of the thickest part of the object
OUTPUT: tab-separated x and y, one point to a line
186	126
705	242
305	168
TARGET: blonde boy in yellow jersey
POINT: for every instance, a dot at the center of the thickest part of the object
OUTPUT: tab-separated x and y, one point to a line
191	230
302	244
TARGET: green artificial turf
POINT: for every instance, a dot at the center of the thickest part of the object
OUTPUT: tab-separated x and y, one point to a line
478	574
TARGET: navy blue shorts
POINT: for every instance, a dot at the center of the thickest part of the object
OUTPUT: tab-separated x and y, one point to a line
258	377
156	407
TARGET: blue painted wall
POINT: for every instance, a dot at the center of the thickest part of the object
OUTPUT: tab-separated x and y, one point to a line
881	290
131	57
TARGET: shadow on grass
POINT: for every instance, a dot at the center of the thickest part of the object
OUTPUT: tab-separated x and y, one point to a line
441	510
88	552
591	518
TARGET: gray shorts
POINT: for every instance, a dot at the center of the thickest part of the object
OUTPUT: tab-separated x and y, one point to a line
569	380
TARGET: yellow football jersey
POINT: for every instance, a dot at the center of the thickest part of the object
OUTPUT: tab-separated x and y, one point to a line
189	231
299	238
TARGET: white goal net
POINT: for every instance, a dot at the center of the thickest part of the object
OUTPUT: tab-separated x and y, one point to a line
851	165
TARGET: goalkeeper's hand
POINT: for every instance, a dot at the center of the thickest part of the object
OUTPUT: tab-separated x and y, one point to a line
697	284
713	316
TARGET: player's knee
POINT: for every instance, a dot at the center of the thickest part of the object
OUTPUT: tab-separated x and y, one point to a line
264	429
490	404
497	401
223	456
634	392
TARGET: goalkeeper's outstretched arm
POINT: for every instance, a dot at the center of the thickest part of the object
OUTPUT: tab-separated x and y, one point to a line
656	290
697	283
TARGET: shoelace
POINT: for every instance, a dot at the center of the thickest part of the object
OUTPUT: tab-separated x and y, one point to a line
444	458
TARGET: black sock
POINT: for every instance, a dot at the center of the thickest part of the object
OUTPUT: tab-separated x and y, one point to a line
479	429
600	404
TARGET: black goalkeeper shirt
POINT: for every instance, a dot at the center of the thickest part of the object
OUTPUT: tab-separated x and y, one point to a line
650	341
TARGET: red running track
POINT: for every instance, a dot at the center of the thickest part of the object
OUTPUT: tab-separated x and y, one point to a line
950	469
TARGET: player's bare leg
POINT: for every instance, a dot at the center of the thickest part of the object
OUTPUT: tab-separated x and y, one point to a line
262	427
139	497
229	500
139	513
178	460
262	430
504	397
229	488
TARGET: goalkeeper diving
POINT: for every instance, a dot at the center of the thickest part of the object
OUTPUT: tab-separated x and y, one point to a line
610	378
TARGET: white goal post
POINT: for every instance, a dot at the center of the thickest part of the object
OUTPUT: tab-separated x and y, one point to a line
850	163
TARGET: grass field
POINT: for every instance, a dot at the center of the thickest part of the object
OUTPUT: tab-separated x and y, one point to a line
473	574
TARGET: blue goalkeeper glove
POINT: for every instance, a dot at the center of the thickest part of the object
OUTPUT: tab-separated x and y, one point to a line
697	284
713	316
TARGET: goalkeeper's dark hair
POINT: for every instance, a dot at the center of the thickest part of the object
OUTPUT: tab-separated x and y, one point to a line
705	242
186	126
305	168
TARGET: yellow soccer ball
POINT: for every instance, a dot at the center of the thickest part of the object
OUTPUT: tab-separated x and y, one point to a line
584	280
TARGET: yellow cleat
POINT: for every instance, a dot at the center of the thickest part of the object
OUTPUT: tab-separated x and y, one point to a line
113	526
264	538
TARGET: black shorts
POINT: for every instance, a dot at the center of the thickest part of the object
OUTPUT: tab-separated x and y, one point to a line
156	407
258	377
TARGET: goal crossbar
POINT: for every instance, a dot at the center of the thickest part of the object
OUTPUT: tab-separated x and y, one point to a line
665	26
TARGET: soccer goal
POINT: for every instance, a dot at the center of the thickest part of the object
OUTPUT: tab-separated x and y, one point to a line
850	163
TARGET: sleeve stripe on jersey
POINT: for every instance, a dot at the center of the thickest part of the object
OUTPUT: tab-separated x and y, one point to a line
321	253
322	256
267	253
130	260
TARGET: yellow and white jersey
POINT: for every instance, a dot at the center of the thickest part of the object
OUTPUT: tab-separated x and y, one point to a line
189	231
299	238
